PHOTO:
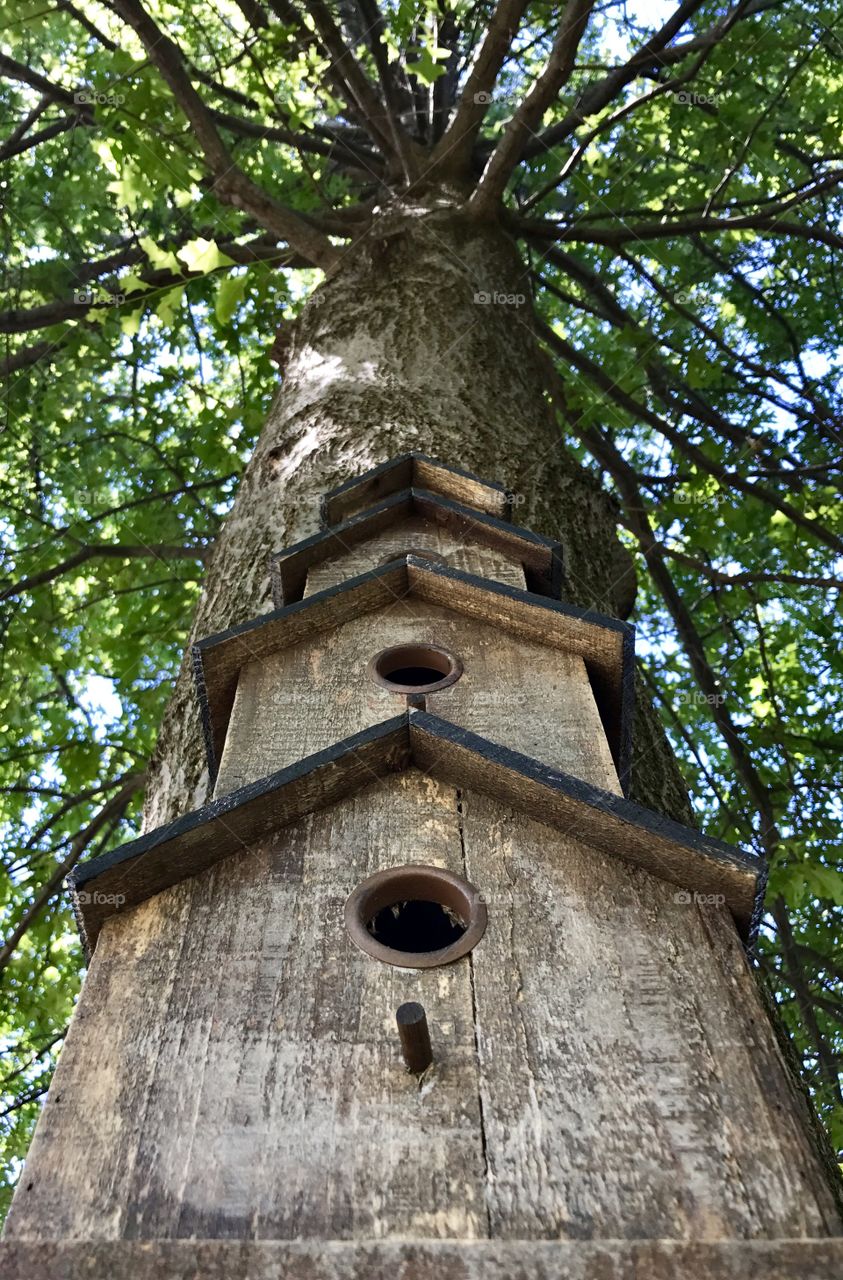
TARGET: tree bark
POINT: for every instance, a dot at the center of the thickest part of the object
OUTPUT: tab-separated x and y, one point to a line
422	338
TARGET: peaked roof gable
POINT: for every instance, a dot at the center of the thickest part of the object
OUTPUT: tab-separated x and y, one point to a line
409	471
136	871
541	557
605	644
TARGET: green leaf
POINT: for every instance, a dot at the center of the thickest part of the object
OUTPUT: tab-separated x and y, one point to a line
169	305
229	295
163	259
426	67
203	256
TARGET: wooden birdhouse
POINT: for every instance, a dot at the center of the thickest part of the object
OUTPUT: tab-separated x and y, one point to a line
420	763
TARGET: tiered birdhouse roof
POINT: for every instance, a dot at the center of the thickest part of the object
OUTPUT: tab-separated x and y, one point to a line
252	673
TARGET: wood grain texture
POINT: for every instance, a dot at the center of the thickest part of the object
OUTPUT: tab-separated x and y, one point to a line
696	864
598	817
631	1085
395	520
603	1071
117	880
233	1069
413	470
393	1260
218	659
301	699
415	532
605	645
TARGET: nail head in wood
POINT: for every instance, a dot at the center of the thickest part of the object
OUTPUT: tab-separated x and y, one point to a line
415	1037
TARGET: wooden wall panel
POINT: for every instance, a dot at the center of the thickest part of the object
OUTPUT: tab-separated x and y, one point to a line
631	1083
416	533
302	699
233	1068
428	1260
603	1067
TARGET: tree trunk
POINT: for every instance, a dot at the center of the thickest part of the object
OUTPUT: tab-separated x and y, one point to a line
422	339
604	1070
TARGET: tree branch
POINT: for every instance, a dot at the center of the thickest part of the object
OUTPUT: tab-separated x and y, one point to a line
651	54
254	14
395	141
331	148
728	479
231	184
452	153
261	249
605	126
113	808
528	116
113	551
750	579
392	92
10	69
665	380
796	978
34	1057
627	483
769	221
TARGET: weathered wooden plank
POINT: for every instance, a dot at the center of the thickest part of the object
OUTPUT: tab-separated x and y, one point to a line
234	1071
697	864
427	1260
289	704
413	470
620	1075
416	533
605	644
117	880
80	1161
532	700
219	658
542	556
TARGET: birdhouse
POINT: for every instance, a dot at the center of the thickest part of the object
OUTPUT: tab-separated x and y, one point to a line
419	982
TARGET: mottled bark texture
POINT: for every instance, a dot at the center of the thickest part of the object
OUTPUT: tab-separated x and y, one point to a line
422	339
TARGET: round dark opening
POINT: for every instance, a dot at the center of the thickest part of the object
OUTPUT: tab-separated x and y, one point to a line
416	926
420	552
416	917
415	668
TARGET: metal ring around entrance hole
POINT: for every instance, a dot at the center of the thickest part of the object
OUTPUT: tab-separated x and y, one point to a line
415	882
402	656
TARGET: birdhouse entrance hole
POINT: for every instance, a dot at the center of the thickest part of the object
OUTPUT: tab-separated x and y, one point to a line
416	925
415	668
415	917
